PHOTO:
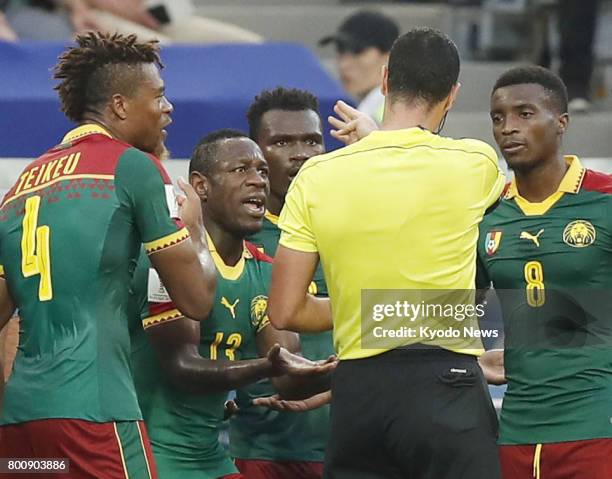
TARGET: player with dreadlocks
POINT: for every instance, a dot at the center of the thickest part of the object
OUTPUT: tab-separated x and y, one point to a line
71	229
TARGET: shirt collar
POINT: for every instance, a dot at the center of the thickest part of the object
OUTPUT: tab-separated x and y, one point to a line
271	217
571	182
85	130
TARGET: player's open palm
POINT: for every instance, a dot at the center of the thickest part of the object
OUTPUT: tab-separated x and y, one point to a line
285	362
190	207
492	365
299	405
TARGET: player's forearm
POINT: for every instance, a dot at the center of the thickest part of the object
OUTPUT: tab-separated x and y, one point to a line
199	375
311	315
295	388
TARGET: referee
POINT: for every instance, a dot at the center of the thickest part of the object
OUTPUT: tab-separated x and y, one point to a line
396	211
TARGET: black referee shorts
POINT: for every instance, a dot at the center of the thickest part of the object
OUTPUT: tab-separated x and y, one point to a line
412	414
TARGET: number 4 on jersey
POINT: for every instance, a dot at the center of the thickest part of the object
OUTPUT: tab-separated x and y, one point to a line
35	258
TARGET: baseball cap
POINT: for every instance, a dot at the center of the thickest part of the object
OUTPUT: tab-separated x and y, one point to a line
362	30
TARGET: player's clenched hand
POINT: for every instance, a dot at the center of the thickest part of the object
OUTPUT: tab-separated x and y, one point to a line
351	125
276	403
190	209
284	362
492	365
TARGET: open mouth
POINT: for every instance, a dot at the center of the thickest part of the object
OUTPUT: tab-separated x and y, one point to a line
255	205
513	147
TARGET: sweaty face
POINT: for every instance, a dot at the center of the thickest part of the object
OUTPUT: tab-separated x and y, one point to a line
288	139
361	72
148	111
238	187
526	125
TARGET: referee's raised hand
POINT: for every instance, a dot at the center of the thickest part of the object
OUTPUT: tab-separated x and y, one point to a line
351	125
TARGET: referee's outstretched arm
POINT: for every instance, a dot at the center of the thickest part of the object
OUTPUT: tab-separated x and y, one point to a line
290	306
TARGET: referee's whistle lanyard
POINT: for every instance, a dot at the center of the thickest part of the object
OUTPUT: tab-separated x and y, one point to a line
440	126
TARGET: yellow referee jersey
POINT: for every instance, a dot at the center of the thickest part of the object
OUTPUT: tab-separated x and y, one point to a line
397	210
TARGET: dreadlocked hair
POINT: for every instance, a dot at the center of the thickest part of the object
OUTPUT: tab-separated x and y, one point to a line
101	65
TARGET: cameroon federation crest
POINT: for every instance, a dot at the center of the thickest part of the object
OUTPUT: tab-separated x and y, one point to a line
259	310
579	234
492	241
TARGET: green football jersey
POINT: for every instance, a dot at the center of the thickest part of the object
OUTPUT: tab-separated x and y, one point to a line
70	230
260	433
551	266
183	426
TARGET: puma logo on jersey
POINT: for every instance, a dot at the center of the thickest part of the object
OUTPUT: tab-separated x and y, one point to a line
529	236
231	307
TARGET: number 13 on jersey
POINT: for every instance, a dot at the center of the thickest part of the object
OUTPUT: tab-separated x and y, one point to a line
35	257
534	276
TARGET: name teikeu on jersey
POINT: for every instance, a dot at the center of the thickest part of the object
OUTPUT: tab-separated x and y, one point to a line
157	292
171	201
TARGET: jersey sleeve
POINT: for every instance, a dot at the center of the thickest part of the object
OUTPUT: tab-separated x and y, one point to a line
143	186
482	277
294	221
157	308
495	180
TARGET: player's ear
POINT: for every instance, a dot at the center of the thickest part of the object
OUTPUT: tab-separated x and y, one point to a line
118	105
562	123
199	183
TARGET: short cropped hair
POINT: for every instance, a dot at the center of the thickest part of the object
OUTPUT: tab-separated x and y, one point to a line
423	66
287	99
204	154
99	66
533	74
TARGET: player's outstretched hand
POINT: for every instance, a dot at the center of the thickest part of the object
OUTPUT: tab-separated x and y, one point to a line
350	125
285	362
276	403
492	365
190	208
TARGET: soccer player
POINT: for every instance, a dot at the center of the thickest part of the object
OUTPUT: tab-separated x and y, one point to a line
70	231
183	407
286	125
433	416
547	250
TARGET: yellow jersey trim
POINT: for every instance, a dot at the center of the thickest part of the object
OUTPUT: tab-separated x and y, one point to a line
271	217
57	180
121	451
85	130
1	271
164	317
167	241
226	271
571	183
537	459
144	450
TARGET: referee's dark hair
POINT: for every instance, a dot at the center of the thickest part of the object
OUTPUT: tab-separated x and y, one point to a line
423	67
99	66
286	99
534	74
204	154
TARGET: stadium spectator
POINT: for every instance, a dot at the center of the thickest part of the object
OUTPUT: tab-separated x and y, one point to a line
549	264
577	26
183	408
7	33
286	125
60	19
400	221
363	42
70	232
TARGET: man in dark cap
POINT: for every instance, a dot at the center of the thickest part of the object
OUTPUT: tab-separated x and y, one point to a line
363	42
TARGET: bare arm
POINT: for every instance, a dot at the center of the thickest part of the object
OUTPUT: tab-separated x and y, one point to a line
6	32
290	306
176	345
306	377
187	269
7	308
